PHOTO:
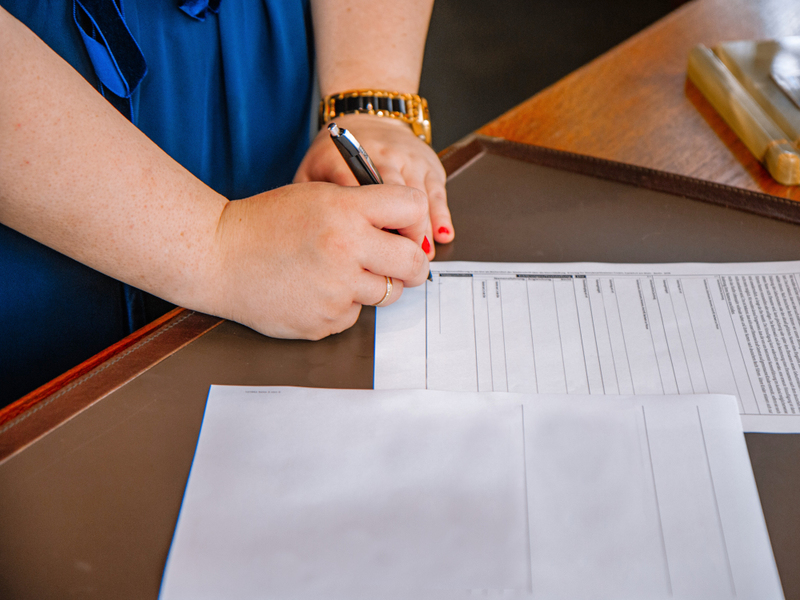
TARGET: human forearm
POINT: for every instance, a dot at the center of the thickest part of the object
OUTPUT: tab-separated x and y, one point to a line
78	177
362	44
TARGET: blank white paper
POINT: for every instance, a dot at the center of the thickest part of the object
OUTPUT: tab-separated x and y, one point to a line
602	329
312	493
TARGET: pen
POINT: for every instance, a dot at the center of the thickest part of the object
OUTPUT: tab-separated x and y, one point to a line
358	160
355	156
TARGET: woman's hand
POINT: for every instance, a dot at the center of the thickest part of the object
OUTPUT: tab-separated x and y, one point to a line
299	261
400	157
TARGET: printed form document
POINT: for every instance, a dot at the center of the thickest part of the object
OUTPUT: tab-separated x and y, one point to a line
396	494
588	328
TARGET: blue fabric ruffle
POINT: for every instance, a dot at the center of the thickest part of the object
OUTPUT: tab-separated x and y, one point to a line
116	57
198	9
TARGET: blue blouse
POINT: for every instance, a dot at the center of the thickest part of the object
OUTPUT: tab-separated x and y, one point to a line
220	87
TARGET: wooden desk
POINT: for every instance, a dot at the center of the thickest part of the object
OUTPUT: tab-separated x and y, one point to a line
97	485
635	105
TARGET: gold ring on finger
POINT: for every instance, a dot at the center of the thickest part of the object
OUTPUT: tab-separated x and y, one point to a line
387	295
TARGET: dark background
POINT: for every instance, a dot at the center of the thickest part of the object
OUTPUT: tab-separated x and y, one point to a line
484	57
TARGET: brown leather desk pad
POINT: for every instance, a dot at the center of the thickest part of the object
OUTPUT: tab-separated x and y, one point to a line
93	475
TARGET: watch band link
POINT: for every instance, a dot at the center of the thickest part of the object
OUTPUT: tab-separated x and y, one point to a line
409	108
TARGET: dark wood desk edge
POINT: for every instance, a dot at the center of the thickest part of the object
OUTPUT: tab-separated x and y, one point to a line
20	406
59	400
759	203
54	403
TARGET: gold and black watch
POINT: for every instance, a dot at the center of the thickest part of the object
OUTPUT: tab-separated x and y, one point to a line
409	108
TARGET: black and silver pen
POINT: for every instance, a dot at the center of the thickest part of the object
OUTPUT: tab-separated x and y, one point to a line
355	156
359	162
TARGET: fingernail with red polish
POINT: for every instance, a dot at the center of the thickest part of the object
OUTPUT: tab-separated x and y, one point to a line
426	245
444	230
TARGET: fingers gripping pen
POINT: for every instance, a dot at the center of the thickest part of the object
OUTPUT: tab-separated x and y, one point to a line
360	164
